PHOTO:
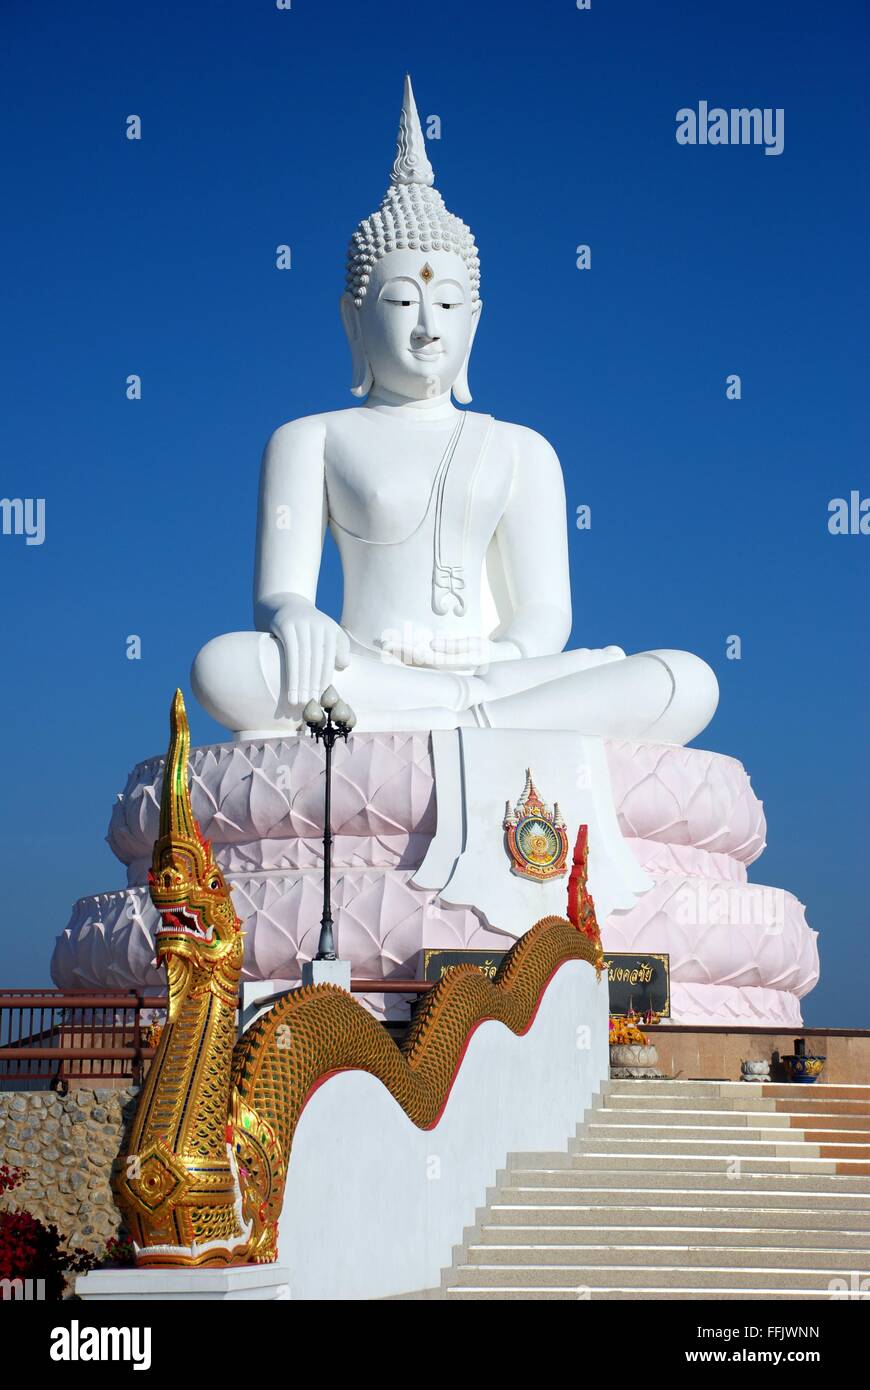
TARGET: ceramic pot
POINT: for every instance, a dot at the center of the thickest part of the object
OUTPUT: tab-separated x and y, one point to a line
804	1069
633	1055
754	1071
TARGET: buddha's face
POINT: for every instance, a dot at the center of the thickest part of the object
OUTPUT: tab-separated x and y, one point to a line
416	323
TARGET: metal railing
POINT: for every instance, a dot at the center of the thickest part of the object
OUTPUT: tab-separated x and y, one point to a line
54	1037
50	1036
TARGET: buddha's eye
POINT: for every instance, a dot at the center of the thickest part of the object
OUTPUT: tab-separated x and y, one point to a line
402	303
448	306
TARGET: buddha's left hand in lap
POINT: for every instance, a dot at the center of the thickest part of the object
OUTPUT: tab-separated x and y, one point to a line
468	653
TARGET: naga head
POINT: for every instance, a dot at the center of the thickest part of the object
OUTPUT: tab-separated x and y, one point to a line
199	939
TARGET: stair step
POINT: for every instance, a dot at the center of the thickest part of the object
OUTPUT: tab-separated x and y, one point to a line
686	1236
819	1090
831	1132
591	1181
848	1128
670	1163
790	1144
766	1090
807	1103
780	1132
527	1295
639	1198
665	1090
747	1102
670	1256
828	1159
854	1129
731	1148
657	1105
655	1276
712	1122
663	1211
829	1164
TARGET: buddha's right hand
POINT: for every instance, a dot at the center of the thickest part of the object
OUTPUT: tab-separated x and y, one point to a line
313	646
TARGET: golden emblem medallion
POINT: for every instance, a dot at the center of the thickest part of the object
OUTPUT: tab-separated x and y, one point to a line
536	838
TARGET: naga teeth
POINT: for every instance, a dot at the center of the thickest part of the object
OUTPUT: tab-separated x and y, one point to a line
172	925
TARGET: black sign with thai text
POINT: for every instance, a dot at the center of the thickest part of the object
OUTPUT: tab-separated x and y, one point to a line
436	961
639	982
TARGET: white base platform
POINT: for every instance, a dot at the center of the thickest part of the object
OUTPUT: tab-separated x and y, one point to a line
419	862
269	1283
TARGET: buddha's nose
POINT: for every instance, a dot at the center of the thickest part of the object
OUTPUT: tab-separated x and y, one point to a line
425	328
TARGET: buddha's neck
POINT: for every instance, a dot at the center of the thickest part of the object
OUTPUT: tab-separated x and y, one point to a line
407	408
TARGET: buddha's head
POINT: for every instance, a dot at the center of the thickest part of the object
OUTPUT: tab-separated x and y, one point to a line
412	302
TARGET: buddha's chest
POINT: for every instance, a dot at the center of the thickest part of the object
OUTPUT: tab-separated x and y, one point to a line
387	484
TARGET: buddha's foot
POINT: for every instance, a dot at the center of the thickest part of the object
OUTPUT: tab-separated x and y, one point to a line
662	696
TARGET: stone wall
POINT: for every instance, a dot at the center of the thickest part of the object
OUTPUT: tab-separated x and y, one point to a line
715	1054
67	1145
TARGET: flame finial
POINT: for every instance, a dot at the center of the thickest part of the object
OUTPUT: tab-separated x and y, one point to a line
412	164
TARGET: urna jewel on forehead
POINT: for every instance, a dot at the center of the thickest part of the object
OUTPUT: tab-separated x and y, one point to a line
412	214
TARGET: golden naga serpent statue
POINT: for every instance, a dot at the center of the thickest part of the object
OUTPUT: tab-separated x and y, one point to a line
201	1179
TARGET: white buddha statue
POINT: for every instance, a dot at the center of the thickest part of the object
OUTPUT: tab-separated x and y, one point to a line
451	528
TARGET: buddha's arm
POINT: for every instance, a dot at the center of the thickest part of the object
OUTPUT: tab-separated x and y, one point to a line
290	528
291	520
532	544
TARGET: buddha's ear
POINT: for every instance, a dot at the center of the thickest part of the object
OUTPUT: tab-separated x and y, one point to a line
461	392
363	380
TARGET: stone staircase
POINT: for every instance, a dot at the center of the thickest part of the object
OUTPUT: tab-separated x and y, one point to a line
684	1190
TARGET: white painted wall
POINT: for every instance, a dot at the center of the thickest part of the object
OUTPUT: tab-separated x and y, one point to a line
373	1206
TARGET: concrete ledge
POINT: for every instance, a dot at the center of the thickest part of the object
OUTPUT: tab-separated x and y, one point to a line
268	1283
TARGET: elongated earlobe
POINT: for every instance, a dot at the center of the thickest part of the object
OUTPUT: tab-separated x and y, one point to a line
461	392
362	379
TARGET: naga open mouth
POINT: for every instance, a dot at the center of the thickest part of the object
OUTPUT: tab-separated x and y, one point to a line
183	921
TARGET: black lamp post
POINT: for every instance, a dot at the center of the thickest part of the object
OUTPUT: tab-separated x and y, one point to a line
328	720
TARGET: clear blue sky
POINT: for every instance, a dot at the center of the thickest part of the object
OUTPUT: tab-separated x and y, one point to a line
262	127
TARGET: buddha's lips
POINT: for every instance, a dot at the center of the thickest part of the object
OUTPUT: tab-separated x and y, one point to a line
182	921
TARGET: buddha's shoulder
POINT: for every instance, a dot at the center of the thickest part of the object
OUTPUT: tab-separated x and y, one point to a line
523	438
305	429
523	442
